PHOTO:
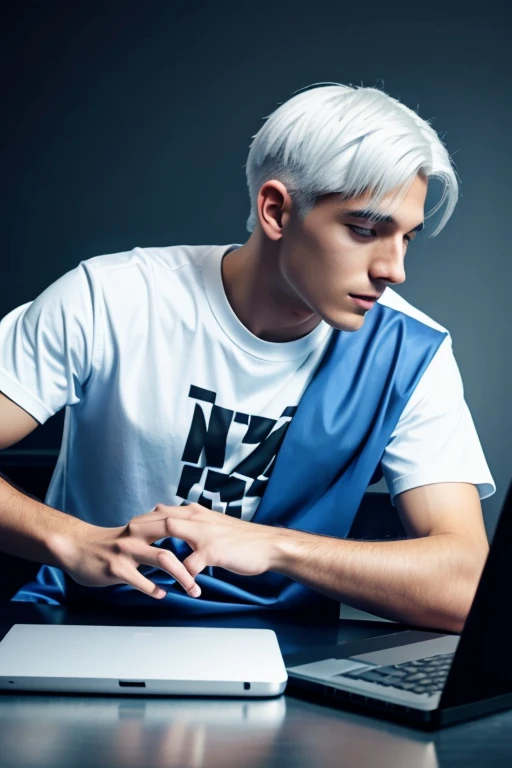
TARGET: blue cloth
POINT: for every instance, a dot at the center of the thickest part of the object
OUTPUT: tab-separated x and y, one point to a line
329	456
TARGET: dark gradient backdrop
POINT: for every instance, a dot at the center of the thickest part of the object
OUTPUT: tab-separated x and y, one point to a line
128	123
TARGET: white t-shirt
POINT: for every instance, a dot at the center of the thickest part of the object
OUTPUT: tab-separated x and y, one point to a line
169	395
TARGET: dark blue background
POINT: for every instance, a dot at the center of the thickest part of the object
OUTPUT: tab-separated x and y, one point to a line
128	123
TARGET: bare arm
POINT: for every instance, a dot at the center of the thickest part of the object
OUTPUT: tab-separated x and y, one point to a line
15	423
25	523
102	556
427	580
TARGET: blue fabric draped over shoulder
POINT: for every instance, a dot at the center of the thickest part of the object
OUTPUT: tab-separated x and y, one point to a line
330	454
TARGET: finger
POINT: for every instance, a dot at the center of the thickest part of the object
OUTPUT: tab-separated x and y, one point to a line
151	531
147	532
161	511
187	530
135	579
195	563
162	558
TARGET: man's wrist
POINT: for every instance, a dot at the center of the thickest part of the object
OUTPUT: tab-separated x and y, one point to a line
62	544
286	549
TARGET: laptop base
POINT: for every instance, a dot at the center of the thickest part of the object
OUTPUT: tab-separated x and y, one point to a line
360	704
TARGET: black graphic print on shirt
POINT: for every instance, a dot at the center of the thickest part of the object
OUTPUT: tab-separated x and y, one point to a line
212	430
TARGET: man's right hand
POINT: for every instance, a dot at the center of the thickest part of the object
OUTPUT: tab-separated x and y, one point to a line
98	557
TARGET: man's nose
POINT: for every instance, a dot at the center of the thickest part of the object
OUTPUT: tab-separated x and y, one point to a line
389	263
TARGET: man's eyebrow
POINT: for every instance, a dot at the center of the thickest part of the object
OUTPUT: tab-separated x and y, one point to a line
369	215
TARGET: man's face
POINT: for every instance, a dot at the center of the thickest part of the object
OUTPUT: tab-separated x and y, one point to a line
333	254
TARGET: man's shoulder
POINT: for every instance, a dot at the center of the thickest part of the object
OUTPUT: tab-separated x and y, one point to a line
167	258
394	301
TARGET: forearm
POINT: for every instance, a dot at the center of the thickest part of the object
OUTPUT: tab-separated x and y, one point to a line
27	525
427	582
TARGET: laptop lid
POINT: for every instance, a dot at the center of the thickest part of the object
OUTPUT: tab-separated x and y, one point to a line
199	661
481	667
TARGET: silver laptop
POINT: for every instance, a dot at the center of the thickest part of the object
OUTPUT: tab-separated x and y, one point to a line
199	661
403	668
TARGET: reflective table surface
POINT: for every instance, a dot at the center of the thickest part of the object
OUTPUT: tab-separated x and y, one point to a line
74	731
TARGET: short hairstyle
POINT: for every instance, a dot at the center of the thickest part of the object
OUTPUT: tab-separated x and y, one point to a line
350	140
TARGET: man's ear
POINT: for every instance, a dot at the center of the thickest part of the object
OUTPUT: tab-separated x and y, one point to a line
274	205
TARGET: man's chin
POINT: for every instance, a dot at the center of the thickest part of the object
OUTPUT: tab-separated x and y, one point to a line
347	322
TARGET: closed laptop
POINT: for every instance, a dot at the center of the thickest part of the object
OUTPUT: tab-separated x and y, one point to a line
180	661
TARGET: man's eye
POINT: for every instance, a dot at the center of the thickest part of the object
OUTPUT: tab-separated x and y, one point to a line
364	232
361	230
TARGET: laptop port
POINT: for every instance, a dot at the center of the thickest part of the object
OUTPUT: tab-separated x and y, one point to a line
131	684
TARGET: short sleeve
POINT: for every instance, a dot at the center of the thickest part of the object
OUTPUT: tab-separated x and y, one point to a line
47	346
435	440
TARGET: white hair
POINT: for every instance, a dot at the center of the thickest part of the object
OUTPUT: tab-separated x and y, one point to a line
348	140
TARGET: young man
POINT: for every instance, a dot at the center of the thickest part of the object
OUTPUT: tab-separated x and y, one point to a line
250	394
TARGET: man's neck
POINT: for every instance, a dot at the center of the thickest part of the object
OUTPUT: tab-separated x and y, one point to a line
260	297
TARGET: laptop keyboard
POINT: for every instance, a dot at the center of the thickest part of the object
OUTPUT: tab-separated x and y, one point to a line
426	675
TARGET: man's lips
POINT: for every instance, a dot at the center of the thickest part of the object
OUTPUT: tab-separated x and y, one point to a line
367	297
